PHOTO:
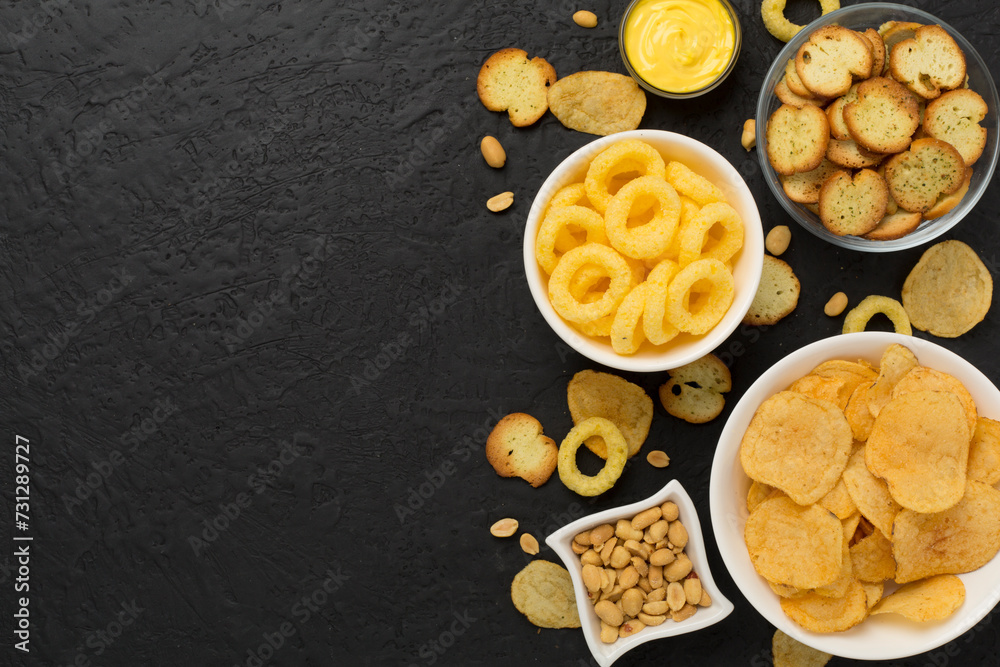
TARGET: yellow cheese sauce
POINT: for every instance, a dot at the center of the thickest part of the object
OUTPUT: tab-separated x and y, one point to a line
679	46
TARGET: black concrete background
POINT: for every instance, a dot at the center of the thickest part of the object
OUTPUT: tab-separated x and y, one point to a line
255	321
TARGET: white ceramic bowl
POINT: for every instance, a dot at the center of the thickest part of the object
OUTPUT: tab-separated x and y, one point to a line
746	270
605	654
883	637
872	15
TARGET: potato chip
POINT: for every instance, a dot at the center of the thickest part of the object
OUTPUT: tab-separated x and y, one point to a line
838	587
626	405
543	592
859	416
984	452
920	446
930	599
797	444
869	493
795	545
757	494
839	501
923	378
960	539
873	591
850	525
788	652
872	559
896	362
833	381
949	290
785	591
597	102
822	614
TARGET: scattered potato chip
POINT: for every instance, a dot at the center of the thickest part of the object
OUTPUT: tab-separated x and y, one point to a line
984	452
869	493
920	446
949	290
788	652
795	545
797	444
872	559
931	599
823	614
597	102
626	405
960	539
897	360
543	591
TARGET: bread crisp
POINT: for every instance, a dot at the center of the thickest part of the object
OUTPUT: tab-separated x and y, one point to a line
793	81
797	138
777	295
831	59
878	51
848	154
785	94
804	187
509	81
884	116
929	62
695	391
835	114
954	117
919	176
945	203
517	448
894	226
853	205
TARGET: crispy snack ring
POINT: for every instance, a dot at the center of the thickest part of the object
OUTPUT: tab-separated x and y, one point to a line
627	328
858	317
655	324
570	308
773	13
617	448
566	219
695	312
696	242
574	194
649	239
623	157
692	184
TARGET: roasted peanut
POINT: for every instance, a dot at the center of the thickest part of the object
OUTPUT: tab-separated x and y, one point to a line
645	585
601	534
578	549
662	557
686	612
649	620
670	511
640	565
500	202
630	628
625	531
609	633
692	590
632	601
493	152
634	548
659	530
608	549
656	608
529	544
656	595
677	534
655	576
675	596
749	138
583	538
706	599
644	519
504	528
620	557
591	557
658	459
679	569
778	239
609	613
591	576
585	19
629	577
836	305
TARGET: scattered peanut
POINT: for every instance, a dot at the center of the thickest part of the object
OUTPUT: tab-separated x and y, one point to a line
493	152
836	305
504	528
778	239
658	459
585	19
749	138
529	544
500	202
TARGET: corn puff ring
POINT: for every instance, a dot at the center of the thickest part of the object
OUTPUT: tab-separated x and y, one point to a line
627	328
631	155
617	448
570	195
697	242
688	210
653	237
588	283
857	318
598	328
655	324
773	13
570	308
693	185
566	218
692	310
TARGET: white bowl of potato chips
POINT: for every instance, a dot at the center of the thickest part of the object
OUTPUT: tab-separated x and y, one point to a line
648	600
873	522
643	250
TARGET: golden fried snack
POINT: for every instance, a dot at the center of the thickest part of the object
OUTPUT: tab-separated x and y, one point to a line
773	13
570	474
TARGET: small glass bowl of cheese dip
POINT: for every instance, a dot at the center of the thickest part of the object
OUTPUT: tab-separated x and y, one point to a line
680	48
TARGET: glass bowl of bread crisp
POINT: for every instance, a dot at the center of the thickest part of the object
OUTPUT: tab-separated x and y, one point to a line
877	127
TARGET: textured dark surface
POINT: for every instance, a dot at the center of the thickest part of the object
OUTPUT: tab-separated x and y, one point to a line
249	280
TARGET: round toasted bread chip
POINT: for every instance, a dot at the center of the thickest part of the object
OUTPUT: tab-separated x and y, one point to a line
797	444
869	493
984	452
929	62
853	205
825	614
599	103
848	154
831	59
884	116
509	81
894	226
954	117
949	290
919	176
796	546
797	138
695	391
931	599
788	652
626	405
777	294
543	591
946	202
517	448
960	539
804	187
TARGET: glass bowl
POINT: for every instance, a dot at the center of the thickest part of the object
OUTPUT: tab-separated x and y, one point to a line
872	15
